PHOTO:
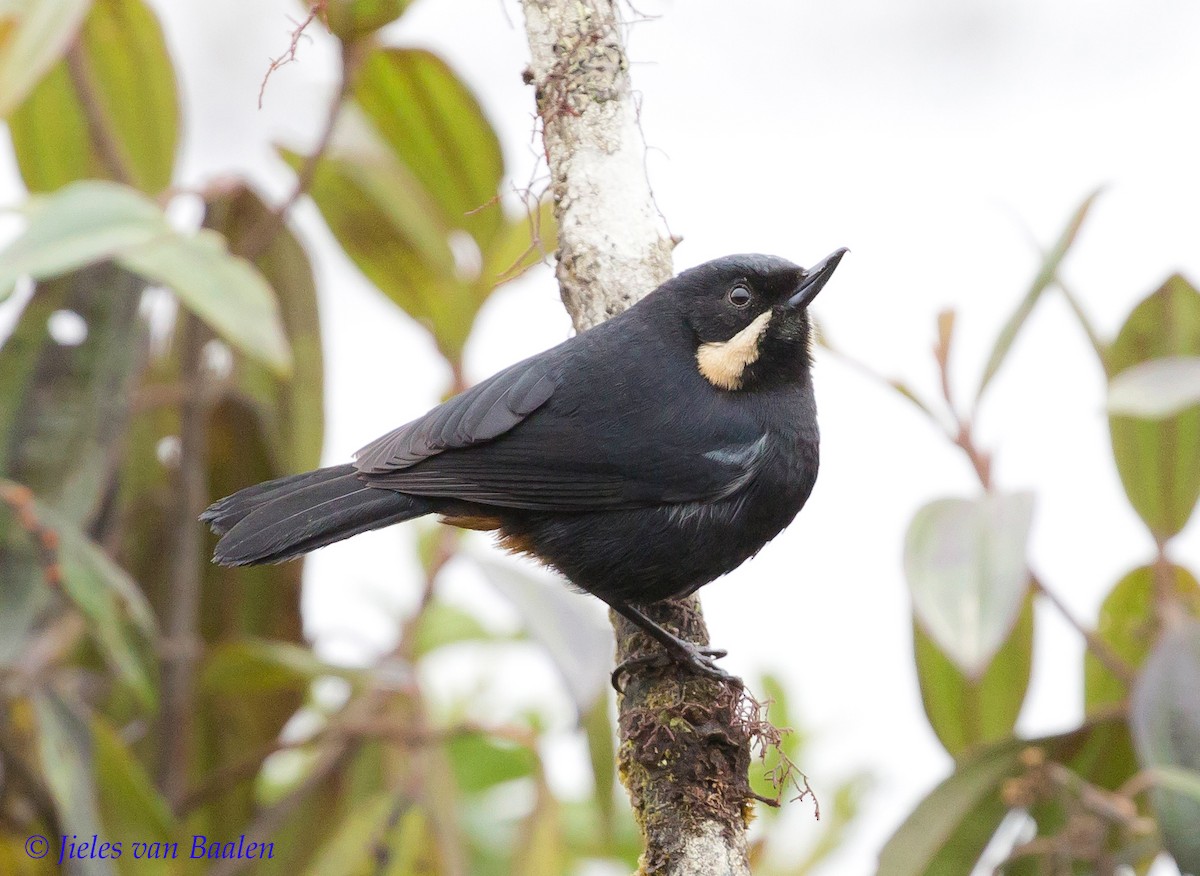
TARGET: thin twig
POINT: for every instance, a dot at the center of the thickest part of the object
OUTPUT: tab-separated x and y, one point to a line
1100	648
901	388
316	9
256	241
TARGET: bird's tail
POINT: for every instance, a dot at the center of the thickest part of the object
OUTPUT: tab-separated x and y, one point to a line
284	518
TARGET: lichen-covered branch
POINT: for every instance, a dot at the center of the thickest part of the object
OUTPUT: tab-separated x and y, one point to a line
685	748
612	246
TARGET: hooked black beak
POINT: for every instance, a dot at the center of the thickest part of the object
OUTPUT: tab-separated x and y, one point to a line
815	278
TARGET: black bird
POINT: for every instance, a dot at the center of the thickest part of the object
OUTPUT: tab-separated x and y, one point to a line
641	459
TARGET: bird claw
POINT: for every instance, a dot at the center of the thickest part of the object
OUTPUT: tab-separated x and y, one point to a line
698	658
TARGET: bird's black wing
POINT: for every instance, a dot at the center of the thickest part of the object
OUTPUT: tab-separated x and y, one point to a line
485	411
537	437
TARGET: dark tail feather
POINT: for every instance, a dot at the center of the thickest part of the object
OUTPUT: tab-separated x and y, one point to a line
282	519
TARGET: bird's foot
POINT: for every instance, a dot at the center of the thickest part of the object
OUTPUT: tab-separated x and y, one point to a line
698	658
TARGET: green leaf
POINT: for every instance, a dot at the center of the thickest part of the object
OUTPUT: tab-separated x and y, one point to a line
443	624
226	291
254	666
1045	276
352	20
415	167
82	223
1185	782
65	750
1128	624
130	81
1156	458
372	202
1165	720
480	762
966	713
118	618
86	222
965	564
949	829
129	805
33	34
355	839
1156	389
436	128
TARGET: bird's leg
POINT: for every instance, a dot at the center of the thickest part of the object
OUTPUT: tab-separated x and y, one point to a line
698	657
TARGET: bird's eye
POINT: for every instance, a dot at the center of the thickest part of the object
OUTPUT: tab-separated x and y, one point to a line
739	296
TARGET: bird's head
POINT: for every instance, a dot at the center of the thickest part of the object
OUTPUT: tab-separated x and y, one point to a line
749	317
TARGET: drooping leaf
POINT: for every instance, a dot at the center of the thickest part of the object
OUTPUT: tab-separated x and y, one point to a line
1165	720
410	188
1156	389
436	128
118	617
1185	782
964	560
86	222
578	642
950	828
372	202
83	223
1045	276
129	805
966	712
65	751
1128	624
33	34
129	82
226	291
1157	459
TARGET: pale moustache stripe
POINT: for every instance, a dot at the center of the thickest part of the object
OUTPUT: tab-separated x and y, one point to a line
724	362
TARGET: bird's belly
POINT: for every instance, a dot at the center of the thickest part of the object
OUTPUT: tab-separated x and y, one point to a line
644	555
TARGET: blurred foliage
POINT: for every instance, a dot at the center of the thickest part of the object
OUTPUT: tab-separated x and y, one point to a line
1124	786
113	439
148	696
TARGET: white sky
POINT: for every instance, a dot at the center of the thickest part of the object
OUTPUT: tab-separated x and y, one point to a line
932	137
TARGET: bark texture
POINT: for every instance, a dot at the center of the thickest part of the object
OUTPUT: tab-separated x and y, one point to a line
685	745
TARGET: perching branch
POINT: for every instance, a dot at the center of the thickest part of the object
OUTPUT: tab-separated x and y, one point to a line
684	751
